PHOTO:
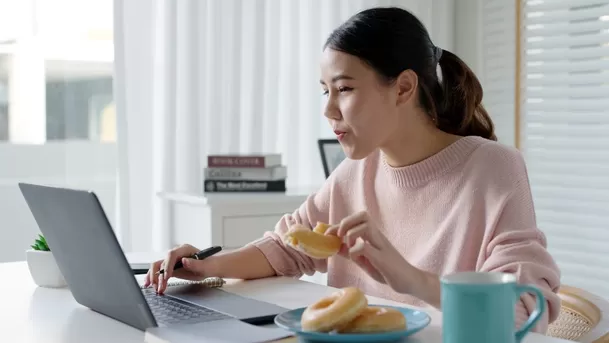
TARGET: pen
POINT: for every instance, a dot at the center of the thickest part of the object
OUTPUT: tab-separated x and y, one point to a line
201	255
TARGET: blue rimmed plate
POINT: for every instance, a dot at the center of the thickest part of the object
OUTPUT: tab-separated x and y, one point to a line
415	321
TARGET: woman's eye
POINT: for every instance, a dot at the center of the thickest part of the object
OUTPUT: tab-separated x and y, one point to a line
340	90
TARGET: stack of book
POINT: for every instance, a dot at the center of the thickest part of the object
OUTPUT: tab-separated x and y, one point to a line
244	173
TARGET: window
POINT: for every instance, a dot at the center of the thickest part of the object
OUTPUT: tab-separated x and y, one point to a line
56	72
565	132
57	120
498	67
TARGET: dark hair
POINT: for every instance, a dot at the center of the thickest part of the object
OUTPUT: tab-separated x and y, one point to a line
392	40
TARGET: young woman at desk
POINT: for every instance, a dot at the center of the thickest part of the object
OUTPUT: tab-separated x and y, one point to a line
425	186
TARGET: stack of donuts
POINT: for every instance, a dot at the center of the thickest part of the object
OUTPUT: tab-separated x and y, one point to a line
347	310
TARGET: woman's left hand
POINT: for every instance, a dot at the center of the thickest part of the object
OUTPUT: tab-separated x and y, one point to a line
373	252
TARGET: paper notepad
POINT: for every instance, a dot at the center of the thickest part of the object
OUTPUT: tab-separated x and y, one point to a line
213	282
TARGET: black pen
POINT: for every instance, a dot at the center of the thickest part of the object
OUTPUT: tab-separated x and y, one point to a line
201	255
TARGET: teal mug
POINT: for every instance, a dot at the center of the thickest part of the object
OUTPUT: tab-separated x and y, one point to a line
479	307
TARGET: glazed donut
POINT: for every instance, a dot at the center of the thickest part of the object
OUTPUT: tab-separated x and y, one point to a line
313	243
334	311
375	319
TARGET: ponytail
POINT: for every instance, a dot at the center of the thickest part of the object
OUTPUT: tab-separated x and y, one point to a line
458	100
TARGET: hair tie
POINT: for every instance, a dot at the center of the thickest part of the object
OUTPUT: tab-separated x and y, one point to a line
437	54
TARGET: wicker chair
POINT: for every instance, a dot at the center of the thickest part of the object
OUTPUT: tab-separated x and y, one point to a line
584	317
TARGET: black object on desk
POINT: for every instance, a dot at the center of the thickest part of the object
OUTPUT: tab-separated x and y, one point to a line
139	271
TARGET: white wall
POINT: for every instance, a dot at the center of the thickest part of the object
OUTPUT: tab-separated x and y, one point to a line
84	165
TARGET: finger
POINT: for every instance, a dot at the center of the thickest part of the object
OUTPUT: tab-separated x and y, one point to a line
167	266
357	249
351	221
147	278
375	258
344	251
366	233
365	264
357	255
154	267
363	248
195	267
332	230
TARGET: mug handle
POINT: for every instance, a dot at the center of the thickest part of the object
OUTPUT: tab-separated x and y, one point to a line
536	315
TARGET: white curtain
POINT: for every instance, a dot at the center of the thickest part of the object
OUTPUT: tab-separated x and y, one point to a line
195	77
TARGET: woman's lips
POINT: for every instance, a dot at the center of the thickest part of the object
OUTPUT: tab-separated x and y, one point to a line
340	134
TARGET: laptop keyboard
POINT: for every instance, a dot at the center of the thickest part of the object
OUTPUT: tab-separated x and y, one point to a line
167	310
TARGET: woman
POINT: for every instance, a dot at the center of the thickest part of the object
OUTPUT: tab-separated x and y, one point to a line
425	190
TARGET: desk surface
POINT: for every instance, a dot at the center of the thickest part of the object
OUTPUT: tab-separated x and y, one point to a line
32	314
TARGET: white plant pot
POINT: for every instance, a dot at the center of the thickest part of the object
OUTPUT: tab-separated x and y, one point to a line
44	269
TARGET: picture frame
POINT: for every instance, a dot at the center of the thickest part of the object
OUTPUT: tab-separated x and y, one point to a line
331	153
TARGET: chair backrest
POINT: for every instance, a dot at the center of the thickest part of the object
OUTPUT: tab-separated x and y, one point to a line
584	317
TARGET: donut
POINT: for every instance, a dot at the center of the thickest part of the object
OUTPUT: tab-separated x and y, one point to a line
334	311
313	243
374	319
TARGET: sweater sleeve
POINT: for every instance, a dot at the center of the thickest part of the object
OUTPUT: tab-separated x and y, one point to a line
517	246
285	260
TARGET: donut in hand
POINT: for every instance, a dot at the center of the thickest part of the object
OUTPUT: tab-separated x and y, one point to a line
313	243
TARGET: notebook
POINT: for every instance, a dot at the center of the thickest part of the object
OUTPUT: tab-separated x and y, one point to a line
213	282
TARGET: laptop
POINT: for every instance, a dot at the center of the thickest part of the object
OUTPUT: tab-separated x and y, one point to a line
100	278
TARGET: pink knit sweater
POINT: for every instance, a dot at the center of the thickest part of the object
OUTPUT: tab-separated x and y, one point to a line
467	208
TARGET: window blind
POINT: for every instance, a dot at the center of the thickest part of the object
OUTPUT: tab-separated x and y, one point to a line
565	132
498	65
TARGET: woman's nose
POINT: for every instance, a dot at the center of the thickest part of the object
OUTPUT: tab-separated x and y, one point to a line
331	111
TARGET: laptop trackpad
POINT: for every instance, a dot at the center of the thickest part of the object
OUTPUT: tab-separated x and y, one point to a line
246	309
220	331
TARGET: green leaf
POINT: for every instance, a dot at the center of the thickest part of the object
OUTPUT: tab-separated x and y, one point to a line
40	243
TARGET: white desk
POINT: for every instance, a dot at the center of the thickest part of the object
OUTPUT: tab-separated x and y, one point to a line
29	314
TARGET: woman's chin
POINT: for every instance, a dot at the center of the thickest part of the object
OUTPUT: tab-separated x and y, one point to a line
354	153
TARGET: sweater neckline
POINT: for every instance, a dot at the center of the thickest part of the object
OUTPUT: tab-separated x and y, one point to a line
432	167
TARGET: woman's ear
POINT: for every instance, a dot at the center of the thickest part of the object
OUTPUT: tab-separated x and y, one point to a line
407	83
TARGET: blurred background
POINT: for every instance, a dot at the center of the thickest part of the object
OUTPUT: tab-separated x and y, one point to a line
128	98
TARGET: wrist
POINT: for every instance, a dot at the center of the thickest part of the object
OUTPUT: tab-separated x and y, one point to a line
210	267
426	287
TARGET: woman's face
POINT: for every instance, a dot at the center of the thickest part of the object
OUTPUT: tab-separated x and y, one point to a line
361	108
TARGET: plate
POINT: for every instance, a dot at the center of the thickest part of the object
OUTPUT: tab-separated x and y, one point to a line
416	320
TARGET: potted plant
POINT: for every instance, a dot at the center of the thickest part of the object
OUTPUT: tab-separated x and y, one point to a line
42	265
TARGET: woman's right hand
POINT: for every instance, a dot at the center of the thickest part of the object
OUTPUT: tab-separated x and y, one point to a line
191	270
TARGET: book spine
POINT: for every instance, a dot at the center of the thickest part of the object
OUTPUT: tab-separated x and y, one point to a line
237	161
243	174
224	186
